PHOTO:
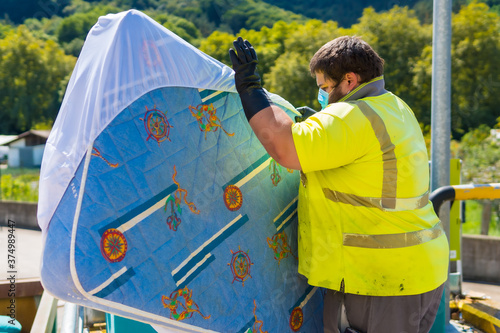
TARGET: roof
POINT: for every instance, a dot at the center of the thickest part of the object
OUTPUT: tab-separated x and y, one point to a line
12	138
7	138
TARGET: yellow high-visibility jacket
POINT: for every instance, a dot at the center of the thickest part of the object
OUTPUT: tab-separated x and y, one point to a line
365	219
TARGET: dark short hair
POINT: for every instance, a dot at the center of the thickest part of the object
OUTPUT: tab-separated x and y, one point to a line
347	54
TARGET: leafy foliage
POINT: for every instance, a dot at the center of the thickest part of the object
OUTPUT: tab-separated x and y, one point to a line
20	188
475	75
180	26
424	9
345	13
137	4
43	28
217	45
251	14
228	16
480	153
283	55
4	29
292	65
400	49
473	217
34	71
285	49
30	73
475	81
72	30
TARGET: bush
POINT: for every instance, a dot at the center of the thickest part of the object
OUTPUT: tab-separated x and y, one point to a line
20	188
472	225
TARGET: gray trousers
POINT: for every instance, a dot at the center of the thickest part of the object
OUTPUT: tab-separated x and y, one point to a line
377	314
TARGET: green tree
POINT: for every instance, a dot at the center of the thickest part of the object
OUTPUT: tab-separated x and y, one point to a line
77	6
190	10
284	51
422	85
480	155
77	26
44	28
217	46
475	69
30	72
180	26
290	77
475	75
136	4
269	43
251	14
228	16
4	29
399	47
423	8
345	13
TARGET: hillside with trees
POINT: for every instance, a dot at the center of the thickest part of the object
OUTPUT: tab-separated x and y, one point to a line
39	46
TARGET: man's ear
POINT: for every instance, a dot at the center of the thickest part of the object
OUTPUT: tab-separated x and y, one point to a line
353	80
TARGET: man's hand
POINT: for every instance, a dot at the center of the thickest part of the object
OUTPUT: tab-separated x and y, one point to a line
271	125
305	112
244	64
247	81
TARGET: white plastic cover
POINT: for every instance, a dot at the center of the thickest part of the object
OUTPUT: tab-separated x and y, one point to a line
124	56
104	82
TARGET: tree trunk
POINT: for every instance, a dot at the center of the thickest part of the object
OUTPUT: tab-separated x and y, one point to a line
486	217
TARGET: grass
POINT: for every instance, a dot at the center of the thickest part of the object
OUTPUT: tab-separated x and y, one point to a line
16	172
19	184
472	225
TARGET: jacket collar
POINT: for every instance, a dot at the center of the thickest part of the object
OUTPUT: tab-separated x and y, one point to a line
371	88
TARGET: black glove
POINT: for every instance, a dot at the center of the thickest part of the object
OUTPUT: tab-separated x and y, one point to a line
247	81
306	112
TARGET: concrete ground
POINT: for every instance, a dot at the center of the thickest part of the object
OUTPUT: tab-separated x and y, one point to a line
20	264
28	251
478	289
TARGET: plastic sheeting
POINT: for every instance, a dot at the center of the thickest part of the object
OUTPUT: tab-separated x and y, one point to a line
104	81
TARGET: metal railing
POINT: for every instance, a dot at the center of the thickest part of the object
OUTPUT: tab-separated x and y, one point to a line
464	192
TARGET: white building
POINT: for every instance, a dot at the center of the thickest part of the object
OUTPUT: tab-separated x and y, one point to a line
4	150
26	150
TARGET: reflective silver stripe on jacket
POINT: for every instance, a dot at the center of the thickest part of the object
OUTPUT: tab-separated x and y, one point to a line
388	200
392	241
390	163
398	204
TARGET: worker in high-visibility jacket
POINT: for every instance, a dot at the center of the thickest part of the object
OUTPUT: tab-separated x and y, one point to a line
367	230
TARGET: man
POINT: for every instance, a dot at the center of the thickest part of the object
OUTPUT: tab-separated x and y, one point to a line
367	230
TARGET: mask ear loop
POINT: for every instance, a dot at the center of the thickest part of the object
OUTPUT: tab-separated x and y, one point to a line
333	89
